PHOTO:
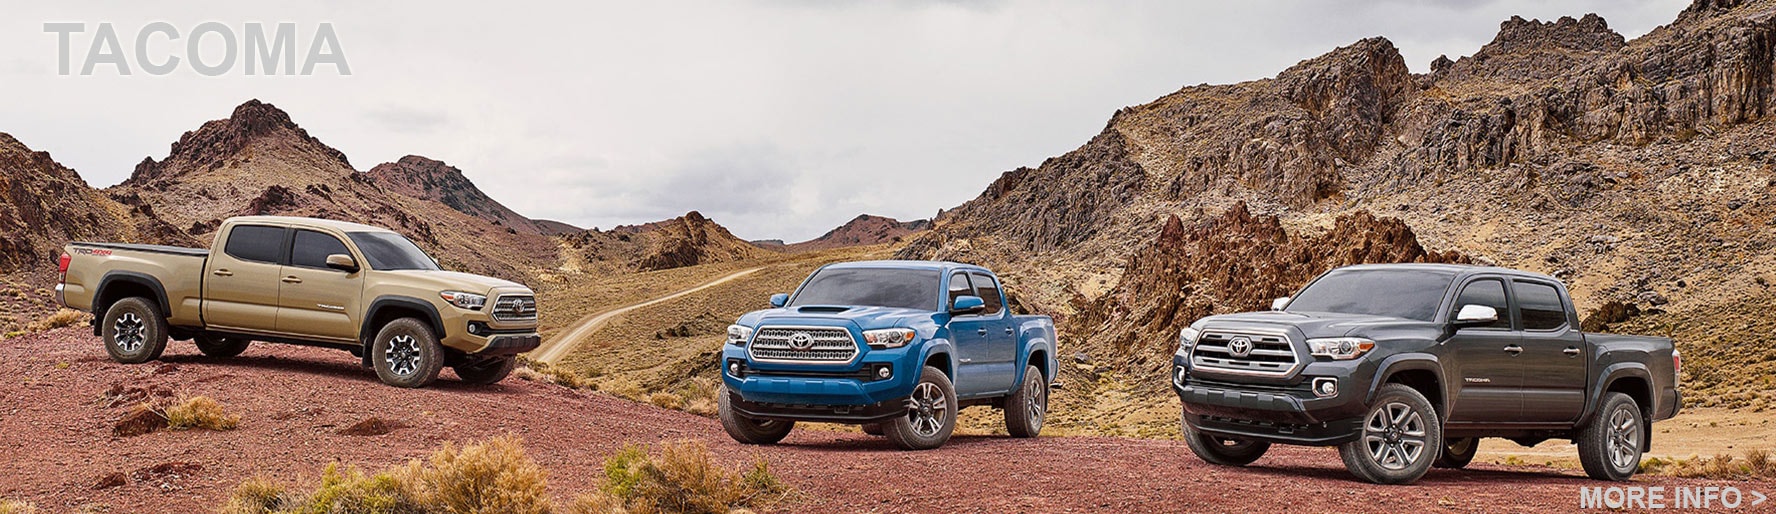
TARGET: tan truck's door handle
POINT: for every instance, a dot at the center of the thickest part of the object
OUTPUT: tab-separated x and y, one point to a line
292	280
224	273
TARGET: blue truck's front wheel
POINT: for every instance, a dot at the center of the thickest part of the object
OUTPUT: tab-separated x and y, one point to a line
931	414
746	429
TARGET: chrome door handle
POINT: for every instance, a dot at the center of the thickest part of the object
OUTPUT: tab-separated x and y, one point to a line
1513	349
224	273
292	279
1008	331
982	331
1571	350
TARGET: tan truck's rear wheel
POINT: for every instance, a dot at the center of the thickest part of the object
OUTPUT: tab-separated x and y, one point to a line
220	346
486	371
133	330
406	354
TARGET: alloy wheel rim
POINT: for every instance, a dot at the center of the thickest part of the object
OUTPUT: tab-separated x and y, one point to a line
1395	436
403	355
1623	442
927	409
1036	402
129	329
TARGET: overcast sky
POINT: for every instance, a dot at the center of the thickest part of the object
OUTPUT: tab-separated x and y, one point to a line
779	119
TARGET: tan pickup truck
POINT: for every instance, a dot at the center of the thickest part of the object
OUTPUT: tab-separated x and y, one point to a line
303	281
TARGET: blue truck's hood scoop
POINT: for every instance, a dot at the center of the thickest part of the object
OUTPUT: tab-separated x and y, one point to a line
865	317
822	309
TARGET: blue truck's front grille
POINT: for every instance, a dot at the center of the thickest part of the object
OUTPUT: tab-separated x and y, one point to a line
803	344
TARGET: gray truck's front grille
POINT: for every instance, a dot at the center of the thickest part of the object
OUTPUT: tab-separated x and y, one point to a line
803	344
515	307
1245	353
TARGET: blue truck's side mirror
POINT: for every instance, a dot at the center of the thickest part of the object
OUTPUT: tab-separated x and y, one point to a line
968	304
777	300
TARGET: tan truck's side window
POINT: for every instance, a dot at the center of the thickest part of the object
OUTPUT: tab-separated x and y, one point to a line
312	248
255	243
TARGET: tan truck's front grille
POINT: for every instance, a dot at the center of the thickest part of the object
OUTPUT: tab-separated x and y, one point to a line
515	307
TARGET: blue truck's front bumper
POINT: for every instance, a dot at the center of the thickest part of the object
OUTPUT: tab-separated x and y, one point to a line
852	392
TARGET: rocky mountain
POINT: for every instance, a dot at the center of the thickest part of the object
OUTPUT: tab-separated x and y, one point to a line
259	161
429	179
1638	171
556	228
863	230
687	240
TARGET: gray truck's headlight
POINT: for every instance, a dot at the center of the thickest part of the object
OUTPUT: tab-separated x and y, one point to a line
1340	348
470	301
1187	340
889	337
739	334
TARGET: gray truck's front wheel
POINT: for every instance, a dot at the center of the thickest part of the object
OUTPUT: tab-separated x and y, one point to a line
1223	451
219	346
405	353
931	414
133	330
1401	438
1026	408
487	371
1610	444
749	430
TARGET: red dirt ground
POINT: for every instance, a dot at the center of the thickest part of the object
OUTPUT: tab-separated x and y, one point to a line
56	444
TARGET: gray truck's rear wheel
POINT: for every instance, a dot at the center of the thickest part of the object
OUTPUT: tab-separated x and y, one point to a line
219	346
1457	453
405	353
1610	445
872	428
749	430
931	414
1401	438
133	330
487	371
1026	407
1223	451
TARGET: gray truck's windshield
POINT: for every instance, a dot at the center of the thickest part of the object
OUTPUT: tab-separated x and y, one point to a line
1409	294
902	288
390	252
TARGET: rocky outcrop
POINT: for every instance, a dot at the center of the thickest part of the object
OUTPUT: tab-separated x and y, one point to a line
220	142
687	240
429	179
860	231
44	204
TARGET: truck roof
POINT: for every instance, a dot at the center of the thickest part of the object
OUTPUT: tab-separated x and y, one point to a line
342	226
909	264
1459	269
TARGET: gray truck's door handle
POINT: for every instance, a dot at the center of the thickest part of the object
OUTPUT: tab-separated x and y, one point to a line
292	280
224	273
1513	349
1572	350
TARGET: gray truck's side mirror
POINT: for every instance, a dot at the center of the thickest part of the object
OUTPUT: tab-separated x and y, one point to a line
1279	304
342	262
779	299
968	304
1475	316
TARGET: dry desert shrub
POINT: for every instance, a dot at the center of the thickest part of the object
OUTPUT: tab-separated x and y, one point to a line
17	507
479	478
199	412
1756	463
59	319
683	478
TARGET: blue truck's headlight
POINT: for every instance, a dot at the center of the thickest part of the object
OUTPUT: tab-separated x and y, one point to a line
1340	348
470	301
889	337
739	334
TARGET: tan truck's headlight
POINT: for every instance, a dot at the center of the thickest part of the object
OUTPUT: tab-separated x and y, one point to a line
739	334
889	337
470	301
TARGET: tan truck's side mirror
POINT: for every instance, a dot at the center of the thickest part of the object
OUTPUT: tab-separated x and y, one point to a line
342	262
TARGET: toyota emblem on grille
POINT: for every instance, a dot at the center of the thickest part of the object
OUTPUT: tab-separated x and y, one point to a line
801	341
1239	347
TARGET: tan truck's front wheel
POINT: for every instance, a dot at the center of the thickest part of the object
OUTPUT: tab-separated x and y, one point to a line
406	354
133	331
220	346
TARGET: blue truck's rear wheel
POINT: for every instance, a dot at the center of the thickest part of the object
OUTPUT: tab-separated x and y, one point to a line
1026	407
931	414
746	429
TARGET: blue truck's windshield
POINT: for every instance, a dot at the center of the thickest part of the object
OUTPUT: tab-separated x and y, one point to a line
875	287
1401	293
391	252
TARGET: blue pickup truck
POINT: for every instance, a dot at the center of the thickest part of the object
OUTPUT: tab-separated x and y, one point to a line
896	346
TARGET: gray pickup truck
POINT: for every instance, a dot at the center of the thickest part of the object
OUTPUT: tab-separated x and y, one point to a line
1407	366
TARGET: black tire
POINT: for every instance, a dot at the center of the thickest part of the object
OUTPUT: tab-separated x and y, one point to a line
405	353
1223	451
1611	442
219	346
1027	407
134	331
872	428
1401	437
749	430
931	414
1457	453
486	371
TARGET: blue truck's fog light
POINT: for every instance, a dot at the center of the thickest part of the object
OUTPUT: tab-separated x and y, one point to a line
734	369
1325	387
884	373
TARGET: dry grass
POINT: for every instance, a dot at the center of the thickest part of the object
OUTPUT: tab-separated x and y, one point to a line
17	507
60	319
682	478
1755	464
198	412
538	371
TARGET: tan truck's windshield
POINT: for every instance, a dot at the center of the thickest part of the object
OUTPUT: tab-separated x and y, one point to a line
390	252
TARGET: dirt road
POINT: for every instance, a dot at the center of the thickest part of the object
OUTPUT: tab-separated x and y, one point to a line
56	445
554	349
